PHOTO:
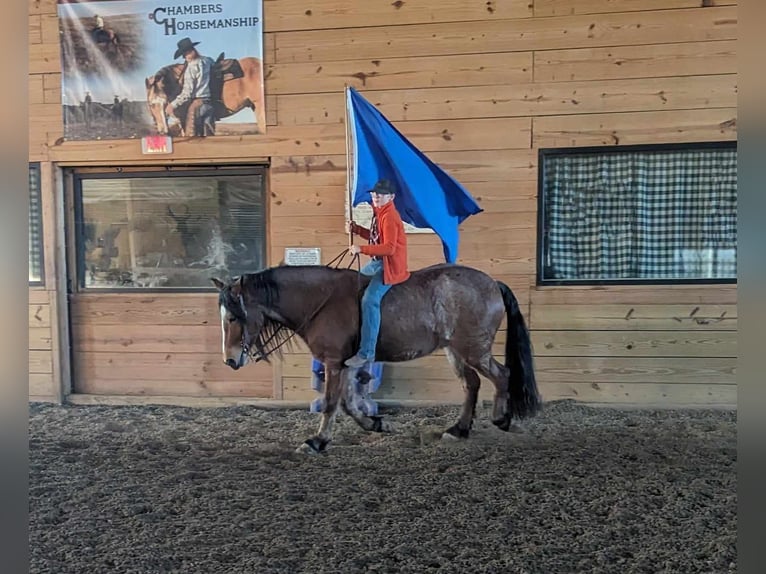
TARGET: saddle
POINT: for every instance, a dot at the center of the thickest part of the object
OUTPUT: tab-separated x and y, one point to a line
223	70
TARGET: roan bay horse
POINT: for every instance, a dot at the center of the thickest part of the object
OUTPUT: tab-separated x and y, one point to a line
451	307
236	94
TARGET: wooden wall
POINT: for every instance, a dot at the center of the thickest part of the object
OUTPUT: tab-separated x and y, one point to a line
479	86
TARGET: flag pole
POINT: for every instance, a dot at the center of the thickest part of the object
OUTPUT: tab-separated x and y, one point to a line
350	213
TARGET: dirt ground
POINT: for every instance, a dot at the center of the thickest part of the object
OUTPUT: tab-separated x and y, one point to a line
144	490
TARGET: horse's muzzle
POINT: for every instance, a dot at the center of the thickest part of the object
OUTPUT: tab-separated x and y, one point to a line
232	363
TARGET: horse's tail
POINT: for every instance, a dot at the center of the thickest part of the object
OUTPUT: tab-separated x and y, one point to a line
523	398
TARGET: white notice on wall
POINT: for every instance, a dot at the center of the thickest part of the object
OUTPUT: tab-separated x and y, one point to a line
303	256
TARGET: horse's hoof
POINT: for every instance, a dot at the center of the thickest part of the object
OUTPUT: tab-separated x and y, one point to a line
447	437
457	432
380	425
312	446
305	448
503	424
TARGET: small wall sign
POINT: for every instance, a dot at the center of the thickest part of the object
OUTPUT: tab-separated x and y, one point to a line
303	256
156	144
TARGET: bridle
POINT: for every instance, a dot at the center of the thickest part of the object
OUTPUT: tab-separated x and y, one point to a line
248	338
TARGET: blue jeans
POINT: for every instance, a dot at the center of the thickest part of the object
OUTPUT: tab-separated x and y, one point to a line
371	308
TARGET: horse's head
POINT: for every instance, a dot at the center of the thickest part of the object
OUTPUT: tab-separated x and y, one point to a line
241	325
161	88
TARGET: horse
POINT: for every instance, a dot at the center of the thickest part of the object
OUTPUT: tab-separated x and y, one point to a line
106	37
446	306
236	94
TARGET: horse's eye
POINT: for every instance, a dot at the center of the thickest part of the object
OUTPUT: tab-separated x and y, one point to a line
232	319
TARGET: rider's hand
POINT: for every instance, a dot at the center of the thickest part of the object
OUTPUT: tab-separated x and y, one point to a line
354	249
169	109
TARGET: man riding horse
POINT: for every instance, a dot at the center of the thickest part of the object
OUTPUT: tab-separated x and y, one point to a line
200	115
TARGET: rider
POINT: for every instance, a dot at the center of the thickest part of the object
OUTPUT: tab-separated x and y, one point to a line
196	87
388	266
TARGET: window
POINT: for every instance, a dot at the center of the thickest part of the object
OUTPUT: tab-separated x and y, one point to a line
169	229
35	226
638	214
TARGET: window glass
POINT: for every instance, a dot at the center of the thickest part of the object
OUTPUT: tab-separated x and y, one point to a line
170	231
647	214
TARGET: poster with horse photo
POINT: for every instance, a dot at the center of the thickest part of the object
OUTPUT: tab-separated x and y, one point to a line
133	68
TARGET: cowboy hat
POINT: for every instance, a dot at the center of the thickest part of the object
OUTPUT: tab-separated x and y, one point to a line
184	45
383	187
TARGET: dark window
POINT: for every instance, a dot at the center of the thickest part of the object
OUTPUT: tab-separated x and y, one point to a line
638	214
171	230
35	226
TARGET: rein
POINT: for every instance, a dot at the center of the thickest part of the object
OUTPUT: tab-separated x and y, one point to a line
247	337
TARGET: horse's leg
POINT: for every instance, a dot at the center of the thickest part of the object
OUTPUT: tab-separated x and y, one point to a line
374	423
332	396
471	384
499	375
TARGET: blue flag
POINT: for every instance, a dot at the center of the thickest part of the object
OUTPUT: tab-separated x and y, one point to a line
426	196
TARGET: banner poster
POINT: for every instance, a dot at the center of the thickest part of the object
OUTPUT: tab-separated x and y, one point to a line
184	68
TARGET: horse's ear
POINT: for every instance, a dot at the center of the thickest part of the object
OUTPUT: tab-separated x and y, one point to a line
218	283
236	287
149	81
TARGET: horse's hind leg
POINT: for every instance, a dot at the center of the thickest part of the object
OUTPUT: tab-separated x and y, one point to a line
351	408
332	396
499	375
471	384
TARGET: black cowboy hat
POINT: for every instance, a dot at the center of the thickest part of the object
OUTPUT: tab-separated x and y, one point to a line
184	45
383	187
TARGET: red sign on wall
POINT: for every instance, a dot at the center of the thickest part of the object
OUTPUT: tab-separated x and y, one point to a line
156	144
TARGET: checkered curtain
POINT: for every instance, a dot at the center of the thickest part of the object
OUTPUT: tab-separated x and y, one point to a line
35	224
641	215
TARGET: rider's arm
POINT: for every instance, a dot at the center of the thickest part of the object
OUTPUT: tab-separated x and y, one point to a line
390	231
362	232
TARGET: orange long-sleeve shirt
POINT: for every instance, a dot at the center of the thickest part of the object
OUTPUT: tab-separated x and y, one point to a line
392	248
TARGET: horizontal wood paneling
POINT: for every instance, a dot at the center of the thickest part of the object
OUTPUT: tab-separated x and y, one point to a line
40	338
635	317
40	385
149	309
635	128
199	367
635	343
449	392
39	315
126	338
400	73
656	394
636	295
299	15
566	7
40	362
321	139
671	370
565	32
652	61
538	99
172	387
136	344
38	296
